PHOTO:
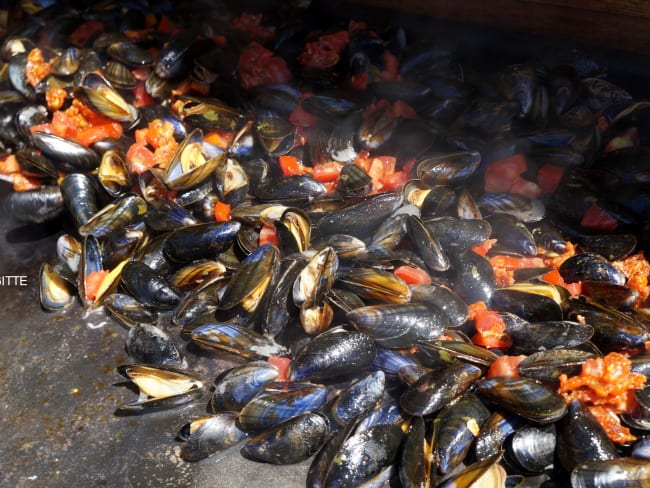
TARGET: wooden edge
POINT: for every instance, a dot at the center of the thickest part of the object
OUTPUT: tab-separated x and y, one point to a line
597	28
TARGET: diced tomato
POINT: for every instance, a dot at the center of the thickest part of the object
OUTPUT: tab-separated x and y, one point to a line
165	25
505	366
549	177
395	181
326	172
301	118
290	166
413	275
22	182
221	212
63	125
258	66
90	135
363	160
525	187
268	235
55	98
141	97
219	138
596	218
484	247
490	330
391	66
282	364
252	25
85	31
388	162
9	165
403	109
553	277
139	158
504	175
94	282
500	174
324	53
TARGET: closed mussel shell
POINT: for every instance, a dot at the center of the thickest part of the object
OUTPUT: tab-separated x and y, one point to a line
359	398
209	435
427	246
523	396
553	334
400	325
581	438
590	266
200	241
274	406
622	471
79	194
69	155
335	352
236	340
459	424
526	301
449	169
443	298
436	389
149	344
34	206
547	366
531	450
149	287
237	386
290	442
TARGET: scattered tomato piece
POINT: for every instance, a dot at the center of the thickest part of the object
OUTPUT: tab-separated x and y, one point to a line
606	382
258	66
325	52
549	177
413	275
596	218
268	235
290	166
505	366
282	364
94	282
221	212
636	269
327	172
490	327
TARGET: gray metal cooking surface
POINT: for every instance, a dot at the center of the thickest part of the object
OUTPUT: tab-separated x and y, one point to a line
59	389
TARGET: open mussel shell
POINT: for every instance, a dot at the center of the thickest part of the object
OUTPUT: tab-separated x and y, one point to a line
354	181
56	290
375	284
316	279
535	302
161	387
525	397
231	181
209	435
290	442
487	473
113	174
119	75
90	263
236	340
274	406
149	344
251	280
208	113
98	92
193	161
198	273
293	230
199	305
275	133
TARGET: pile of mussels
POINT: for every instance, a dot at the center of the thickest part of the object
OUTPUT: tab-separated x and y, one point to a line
383	383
